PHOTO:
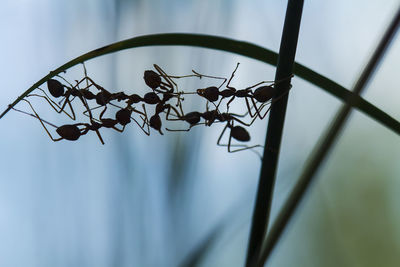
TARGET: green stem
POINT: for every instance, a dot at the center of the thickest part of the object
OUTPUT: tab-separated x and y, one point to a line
273	139
322	151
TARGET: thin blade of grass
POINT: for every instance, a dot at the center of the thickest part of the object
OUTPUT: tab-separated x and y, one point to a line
228	45
199	253
287	52
322	150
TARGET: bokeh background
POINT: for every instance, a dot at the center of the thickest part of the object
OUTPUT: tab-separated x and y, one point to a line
153	201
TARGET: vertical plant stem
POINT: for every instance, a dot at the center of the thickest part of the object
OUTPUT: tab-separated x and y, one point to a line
266	183
321	152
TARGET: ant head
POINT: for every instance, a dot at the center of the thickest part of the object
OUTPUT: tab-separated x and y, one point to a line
69	132
152	79
155	123
200	92
151	98
210	93
264	93
123	116
56	88
240	133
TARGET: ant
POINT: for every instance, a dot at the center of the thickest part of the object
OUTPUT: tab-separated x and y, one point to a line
193	118
153	79
265	94
262	94
155	120
69	132
57	89
124	116
238	132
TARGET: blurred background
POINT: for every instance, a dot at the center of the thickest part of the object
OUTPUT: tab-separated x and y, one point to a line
155	201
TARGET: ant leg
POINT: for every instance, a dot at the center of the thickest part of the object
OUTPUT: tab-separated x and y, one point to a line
54	105
178	116
222	133
197	74
41	122
34	116
83	100
266	112
249	108
229	140
258	109
86	112
145	119
170	83
86	76
99	136
271	82
230	79
113	127
229	145
229	102
183	130
273	100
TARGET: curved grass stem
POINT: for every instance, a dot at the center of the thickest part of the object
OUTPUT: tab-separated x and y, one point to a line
229	45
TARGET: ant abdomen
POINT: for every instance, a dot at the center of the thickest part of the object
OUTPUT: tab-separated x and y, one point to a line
69	132
240	133
152	79
264	93
151	98
155	123
55	87
123	116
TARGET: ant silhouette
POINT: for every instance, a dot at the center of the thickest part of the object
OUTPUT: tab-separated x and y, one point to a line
262	94
193	118
238	132
153	79
124	116
213	93
155	120
57	90
69	132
